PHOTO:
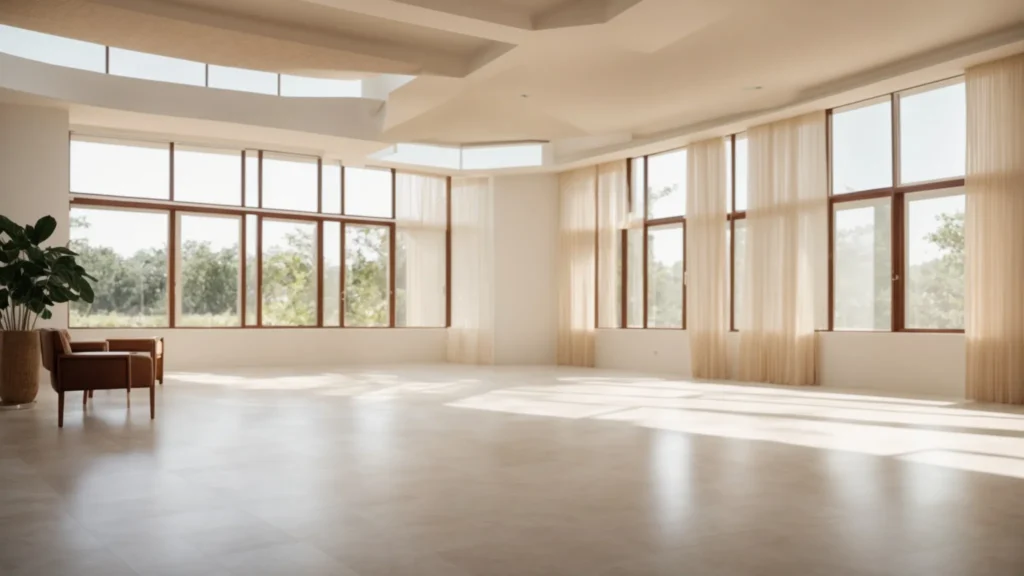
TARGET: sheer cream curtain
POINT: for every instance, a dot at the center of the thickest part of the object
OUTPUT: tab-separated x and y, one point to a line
612	188
471	335
994	232
707	282
787	201
421	218
577	257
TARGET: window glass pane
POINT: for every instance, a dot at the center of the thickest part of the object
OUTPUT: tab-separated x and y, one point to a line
421	213
332	273
207	176
666	184
120	169
935	260
366	275
209	267
637	190
252	178
289	273
423	155
862	147
52	49
368	192
740	237
665	276
251	268
863	265
320	87
933	134
742	172
126	251
504	156
289	182
635	278
331	187
243	80
153	67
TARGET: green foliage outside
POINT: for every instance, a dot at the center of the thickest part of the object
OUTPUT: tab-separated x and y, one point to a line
664	282
935	288
935	296
132	290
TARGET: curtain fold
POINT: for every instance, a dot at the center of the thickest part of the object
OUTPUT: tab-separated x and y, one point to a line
787	200
612	188
707	288
577	257
994	231
471	335
421	219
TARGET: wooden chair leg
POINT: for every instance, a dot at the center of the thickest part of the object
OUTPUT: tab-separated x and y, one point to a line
90	393
129	395
60	409
152	401
85	397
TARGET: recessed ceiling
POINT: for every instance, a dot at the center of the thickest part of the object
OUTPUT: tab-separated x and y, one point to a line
591	68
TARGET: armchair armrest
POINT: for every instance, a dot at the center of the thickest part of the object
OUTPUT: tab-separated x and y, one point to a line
99	346
93	371
150	345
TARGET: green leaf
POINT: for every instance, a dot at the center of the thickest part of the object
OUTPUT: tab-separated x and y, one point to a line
86	292
7	225
43	229
46	314
35	254
4	294
62	251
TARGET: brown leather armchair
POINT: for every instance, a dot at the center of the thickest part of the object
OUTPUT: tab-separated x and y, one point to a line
152	346
86	367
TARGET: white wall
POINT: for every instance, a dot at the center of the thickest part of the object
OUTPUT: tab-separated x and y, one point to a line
34	172
892	362
191	349
525	267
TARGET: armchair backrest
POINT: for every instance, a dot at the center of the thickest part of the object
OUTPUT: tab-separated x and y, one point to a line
50	344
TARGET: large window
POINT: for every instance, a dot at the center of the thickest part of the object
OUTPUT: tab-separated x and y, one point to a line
898	211
185	236
126	251
666	184
935	259
289	273
290	182
863	265
207	176
210	270
368	192
367	286
111	168
665	276
862	147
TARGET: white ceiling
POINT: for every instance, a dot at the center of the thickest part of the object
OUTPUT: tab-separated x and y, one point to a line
498	70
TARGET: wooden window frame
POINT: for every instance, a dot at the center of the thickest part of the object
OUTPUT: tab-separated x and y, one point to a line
172	208
898	194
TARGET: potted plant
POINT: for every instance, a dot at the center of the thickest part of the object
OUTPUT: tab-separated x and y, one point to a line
32	279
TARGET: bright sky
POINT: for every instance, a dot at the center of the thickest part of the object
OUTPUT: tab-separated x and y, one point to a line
89	56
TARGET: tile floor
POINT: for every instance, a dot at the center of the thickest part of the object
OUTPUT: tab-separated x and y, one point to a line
444	470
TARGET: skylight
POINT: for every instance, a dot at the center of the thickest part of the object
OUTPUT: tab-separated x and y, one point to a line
469	157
